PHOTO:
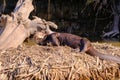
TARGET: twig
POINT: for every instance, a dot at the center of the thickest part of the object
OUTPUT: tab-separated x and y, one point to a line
17	57
42	66
98	61
8	69
60	67
27	75
72	69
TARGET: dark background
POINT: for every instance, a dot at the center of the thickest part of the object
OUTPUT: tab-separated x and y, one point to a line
87	18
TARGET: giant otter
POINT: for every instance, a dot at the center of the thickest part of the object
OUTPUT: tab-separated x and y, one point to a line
76	42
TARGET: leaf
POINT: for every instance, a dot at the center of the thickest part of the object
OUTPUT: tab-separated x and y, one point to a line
89	2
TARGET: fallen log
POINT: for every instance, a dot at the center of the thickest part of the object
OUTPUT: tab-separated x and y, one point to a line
15	28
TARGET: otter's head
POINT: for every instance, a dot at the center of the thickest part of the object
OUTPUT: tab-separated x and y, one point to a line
38	36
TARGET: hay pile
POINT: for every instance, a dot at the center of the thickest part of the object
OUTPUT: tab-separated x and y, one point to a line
57	63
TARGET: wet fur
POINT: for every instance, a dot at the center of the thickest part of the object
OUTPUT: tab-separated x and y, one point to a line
76	42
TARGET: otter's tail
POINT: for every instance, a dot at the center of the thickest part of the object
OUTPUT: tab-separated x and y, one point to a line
109	57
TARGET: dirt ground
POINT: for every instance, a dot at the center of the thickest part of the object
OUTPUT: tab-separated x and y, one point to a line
34	62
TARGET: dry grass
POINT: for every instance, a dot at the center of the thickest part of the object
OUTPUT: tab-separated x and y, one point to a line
33	62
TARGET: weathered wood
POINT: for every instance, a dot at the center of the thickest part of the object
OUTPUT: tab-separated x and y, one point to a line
23	9
8	25
15	28
15	38
14	31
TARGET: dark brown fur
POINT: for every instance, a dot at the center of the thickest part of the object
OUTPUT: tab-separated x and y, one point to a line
76	42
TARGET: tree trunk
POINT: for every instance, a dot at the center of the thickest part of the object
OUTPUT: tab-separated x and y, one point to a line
116	11
15	28
2	6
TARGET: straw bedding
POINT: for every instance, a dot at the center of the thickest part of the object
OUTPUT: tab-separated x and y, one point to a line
34	62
